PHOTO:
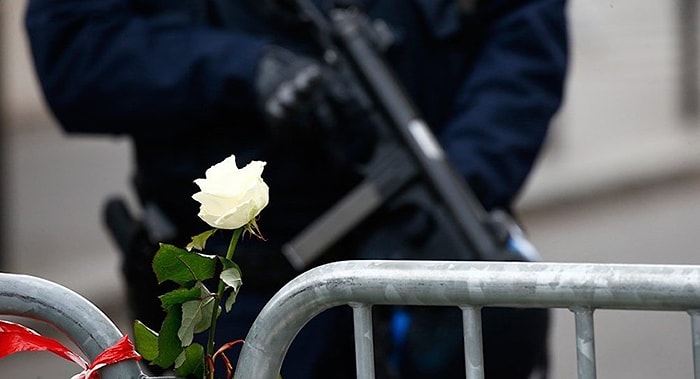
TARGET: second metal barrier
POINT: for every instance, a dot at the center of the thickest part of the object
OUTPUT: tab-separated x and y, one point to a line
581	288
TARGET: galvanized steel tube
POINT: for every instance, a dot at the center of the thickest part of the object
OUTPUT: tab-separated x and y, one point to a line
695	328
585	342
364	340
81	321
473	343
514	284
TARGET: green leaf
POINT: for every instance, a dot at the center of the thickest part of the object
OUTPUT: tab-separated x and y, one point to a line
232	278
200	241
168	342
227	263
191	316
190	363
181	266
180	296
145	341
230	300
196	318
208	308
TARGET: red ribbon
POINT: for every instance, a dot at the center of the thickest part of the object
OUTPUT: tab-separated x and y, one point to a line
15	338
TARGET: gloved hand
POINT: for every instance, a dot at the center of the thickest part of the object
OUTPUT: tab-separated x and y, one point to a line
289	87
303	100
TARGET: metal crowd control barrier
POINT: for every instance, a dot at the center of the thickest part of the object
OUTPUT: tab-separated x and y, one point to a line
76	317
582	288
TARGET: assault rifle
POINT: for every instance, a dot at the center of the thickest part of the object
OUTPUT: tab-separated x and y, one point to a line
408	164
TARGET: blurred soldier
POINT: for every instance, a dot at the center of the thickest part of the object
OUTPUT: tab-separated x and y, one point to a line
192	82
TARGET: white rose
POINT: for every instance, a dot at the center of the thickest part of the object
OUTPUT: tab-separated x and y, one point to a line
231	197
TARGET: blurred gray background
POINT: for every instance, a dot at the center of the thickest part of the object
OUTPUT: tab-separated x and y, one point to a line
618	183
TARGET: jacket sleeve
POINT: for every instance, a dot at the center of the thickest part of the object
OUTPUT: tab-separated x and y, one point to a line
502	112
104	67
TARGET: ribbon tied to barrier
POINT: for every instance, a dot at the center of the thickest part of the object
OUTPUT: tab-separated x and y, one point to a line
16	338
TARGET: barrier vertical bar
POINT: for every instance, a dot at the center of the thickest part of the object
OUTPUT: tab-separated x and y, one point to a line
585	342
473	347
364	340
695	333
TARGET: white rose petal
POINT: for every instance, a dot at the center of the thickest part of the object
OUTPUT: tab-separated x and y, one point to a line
230	197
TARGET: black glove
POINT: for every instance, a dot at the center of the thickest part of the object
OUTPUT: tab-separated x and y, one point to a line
303	100
290	88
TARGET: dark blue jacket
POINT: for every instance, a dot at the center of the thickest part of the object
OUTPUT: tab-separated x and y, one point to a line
487	78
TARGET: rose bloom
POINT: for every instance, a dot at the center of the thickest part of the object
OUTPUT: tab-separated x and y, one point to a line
230	197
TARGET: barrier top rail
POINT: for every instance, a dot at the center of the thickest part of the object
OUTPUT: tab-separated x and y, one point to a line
448	283
469	285
76	317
